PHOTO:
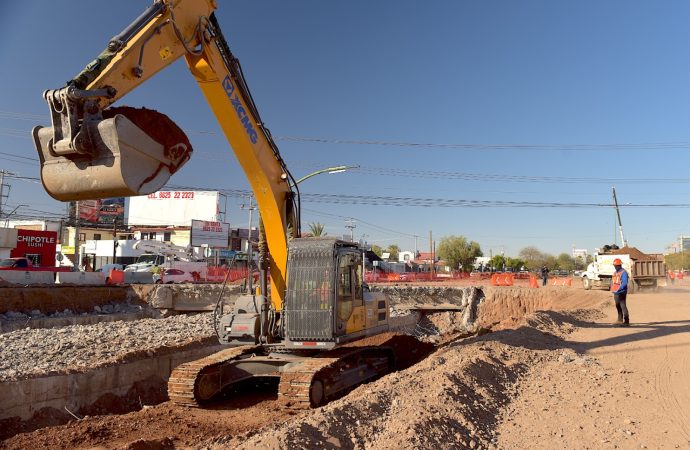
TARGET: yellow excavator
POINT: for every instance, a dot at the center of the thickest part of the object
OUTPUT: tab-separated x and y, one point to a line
300	325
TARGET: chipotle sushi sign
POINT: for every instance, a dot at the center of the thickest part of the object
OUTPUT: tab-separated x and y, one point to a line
39	246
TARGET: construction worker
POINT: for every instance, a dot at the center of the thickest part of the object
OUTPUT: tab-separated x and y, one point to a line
544	275
619	287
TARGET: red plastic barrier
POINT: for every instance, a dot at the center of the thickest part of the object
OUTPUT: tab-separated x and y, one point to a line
533	282
561	282
117	276
502	279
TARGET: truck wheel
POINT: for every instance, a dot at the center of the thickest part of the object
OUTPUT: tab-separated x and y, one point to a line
587	283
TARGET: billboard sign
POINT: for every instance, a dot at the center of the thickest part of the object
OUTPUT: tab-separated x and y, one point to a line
213	234
38	246
176	208
102	212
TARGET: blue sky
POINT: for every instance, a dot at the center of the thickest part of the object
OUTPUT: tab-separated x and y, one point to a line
614	76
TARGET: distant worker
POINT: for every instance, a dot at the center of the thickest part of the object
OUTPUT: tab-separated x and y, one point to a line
544	275
619	287
672	276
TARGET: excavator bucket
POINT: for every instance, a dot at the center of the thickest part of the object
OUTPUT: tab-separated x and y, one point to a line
124	160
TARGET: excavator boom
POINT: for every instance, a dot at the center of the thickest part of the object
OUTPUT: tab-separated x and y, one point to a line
94	152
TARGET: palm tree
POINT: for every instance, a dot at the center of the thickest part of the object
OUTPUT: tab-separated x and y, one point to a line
317	229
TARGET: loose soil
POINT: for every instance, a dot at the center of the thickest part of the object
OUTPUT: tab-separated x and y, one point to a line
558	378
158	126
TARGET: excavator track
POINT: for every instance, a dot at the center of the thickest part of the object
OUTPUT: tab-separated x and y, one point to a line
189	384
316	380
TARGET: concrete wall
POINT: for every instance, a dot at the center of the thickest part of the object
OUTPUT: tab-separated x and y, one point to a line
138	277
26	397
92	278
28	277
60	297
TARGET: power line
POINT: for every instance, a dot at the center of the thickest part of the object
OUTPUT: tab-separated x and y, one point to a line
461	146
435	202
369	224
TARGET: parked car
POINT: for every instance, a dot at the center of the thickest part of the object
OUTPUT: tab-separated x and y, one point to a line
170	276
15	264
559	273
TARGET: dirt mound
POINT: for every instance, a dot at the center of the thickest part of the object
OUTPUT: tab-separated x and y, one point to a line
505	307
449	400
633	252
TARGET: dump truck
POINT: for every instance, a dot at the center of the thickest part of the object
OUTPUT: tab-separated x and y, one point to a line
647	271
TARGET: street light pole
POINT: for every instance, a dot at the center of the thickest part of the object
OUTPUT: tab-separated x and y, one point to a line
336	169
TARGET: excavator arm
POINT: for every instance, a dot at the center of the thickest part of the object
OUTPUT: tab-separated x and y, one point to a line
95	152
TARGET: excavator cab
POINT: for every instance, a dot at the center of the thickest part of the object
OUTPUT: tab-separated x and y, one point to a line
118	152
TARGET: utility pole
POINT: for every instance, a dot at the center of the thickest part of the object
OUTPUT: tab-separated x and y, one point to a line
3	195
250	279
415	247
351	225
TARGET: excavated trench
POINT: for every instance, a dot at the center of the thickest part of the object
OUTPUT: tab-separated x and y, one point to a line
421	317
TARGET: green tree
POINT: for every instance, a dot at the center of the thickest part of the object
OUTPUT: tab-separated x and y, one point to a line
317	229
565	262
580	263
676	261
458	252
497	262
515	263
378	251
532	257
550	261
394	251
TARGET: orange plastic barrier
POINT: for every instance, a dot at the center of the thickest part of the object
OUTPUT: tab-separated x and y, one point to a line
562	282
502	279
117	276
533	282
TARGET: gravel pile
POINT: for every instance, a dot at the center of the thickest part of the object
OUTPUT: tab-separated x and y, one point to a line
117	308
38	352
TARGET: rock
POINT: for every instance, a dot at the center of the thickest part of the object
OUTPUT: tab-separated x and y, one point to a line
97	309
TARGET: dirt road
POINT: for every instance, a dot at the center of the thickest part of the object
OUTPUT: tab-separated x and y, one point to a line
624	388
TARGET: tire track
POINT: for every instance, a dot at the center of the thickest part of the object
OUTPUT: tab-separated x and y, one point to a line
664	387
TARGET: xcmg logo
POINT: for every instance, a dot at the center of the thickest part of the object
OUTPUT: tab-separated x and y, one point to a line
239	109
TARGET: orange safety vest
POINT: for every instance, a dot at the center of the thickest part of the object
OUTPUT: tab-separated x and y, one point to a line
616	281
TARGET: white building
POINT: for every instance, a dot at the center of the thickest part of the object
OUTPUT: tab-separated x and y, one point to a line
580	253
